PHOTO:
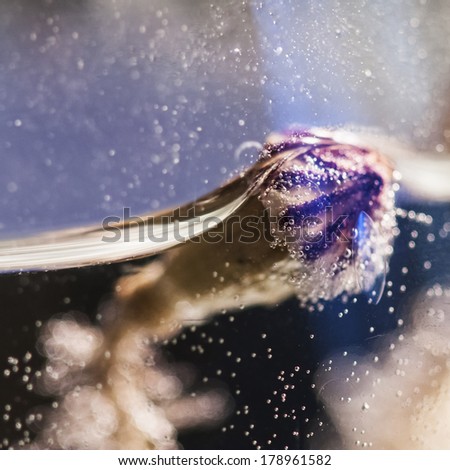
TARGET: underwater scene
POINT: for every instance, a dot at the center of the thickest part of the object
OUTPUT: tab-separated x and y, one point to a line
225	225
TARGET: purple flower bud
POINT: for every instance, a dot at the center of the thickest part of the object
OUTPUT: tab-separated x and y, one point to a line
331	204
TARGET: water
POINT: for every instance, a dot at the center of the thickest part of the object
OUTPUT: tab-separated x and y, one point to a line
107	106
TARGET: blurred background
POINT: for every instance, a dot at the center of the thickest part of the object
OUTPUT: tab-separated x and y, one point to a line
150	104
